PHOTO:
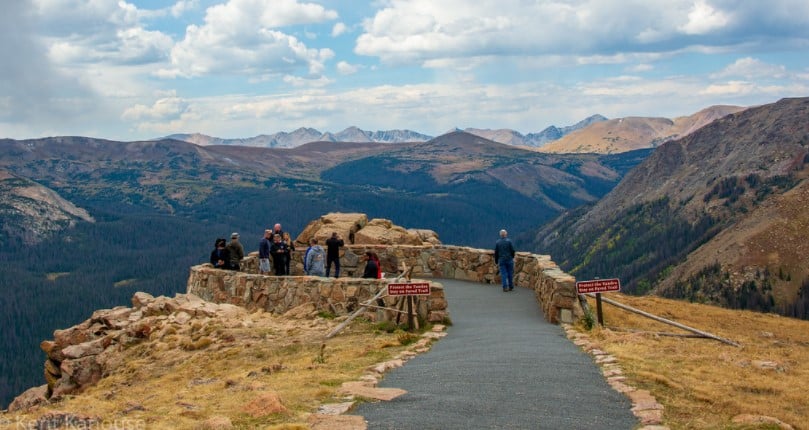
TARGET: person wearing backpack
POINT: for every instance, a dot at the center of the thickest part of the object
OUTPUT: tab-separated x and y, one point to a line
315	260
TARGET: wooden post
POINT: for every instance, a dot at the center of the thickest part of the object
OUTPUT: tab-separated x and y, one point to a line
410	313
598	310
670	322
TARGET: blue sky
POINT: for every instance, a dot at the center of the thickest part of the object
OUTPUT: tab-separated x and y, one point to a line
139	69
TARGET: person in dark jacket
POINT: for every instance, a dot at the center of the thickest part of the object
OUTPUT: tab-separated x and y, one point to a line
371	266
333	245
278	250
220	257
236	251
264	253
504	256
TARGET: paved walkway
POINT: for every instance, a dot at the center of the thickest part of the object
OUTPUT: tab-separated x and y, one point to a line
502	366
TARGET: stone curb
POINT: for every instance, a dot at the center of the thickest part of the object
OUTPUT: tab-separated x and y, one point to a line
644	406
330	416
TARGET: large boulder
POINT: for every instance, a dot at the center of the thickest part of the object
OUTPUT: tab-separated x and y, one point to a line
344	224
355	228
383	232
27	400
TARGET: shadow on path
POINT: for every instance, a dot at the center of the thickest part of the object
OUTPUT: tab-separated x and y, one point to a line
501	366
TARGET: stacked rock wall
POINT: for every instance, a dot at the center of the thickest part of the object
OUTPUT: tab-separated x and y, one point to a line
81	355
555	290
278	294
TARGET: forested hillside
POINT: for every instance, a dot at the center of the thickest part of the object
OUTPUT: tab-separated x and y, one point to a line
158	206
716	217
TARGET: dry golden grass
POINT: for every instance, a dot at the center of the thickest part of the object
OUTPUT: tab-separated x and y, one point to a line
180	378
704	383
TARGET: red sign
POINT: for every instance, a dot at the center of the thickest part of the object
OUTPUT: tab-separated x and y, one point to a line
414	289
598	286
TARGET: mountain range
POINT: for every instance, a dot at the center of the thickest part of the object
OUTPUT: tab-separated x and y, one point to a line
304	135
626	134
595	134
718	216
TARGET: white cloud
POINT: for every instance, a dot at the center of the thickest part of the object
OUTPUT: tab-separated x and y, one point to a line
242	37
640	68
183	6
424	30
703	18
750	68
99	31
347	69
167	108
338	29
729	88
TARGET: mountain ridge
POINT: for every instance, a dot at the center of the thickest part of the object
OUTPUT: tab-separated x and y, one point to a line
692	191
303	135
595	133
628	133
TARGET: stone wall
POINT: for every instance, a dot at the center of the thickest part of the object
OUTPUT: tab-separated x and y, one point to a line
555	290
279	294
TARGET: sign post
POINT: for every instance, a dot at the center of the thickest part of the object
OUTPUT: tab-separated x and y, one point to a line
409	290
598	286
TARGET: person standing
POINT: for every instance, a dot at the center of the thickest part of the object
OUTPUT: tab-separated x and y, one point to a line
290	249
276	229
315	259
333	245
236	252
278	250
371	266
220	257
504	256
264	253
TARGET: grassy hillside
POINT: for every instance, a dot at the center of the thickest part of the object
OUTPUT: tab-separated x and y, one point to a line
705	384
701	383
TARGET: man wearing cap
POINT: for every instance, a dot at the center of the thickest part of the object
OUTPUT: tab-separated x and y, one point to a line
236	251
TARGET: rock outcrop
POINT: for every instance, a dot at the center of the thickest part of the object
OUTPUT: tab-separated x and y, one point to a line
355	228
81	355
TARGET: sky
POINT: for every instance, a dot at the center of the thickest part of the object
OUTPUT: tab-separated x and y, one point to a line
141	69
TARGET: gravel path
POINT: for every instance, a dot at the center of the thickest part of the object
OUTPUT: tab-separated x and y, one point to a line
502	366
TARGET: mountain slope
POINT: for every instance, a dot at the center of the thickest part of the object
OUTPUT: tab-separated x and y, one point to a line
31	212
720	179
549	134
626	134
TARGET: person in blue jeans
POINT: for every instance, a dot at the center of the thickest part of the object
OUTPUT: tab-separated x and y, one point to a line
504	256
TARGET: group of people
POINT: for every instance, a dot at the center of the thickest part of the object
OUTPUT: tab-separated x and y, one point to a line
277	246
227	255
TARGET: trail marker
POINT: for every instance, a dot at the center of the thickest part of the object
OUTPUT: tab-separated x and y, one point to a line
598	286
409	289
